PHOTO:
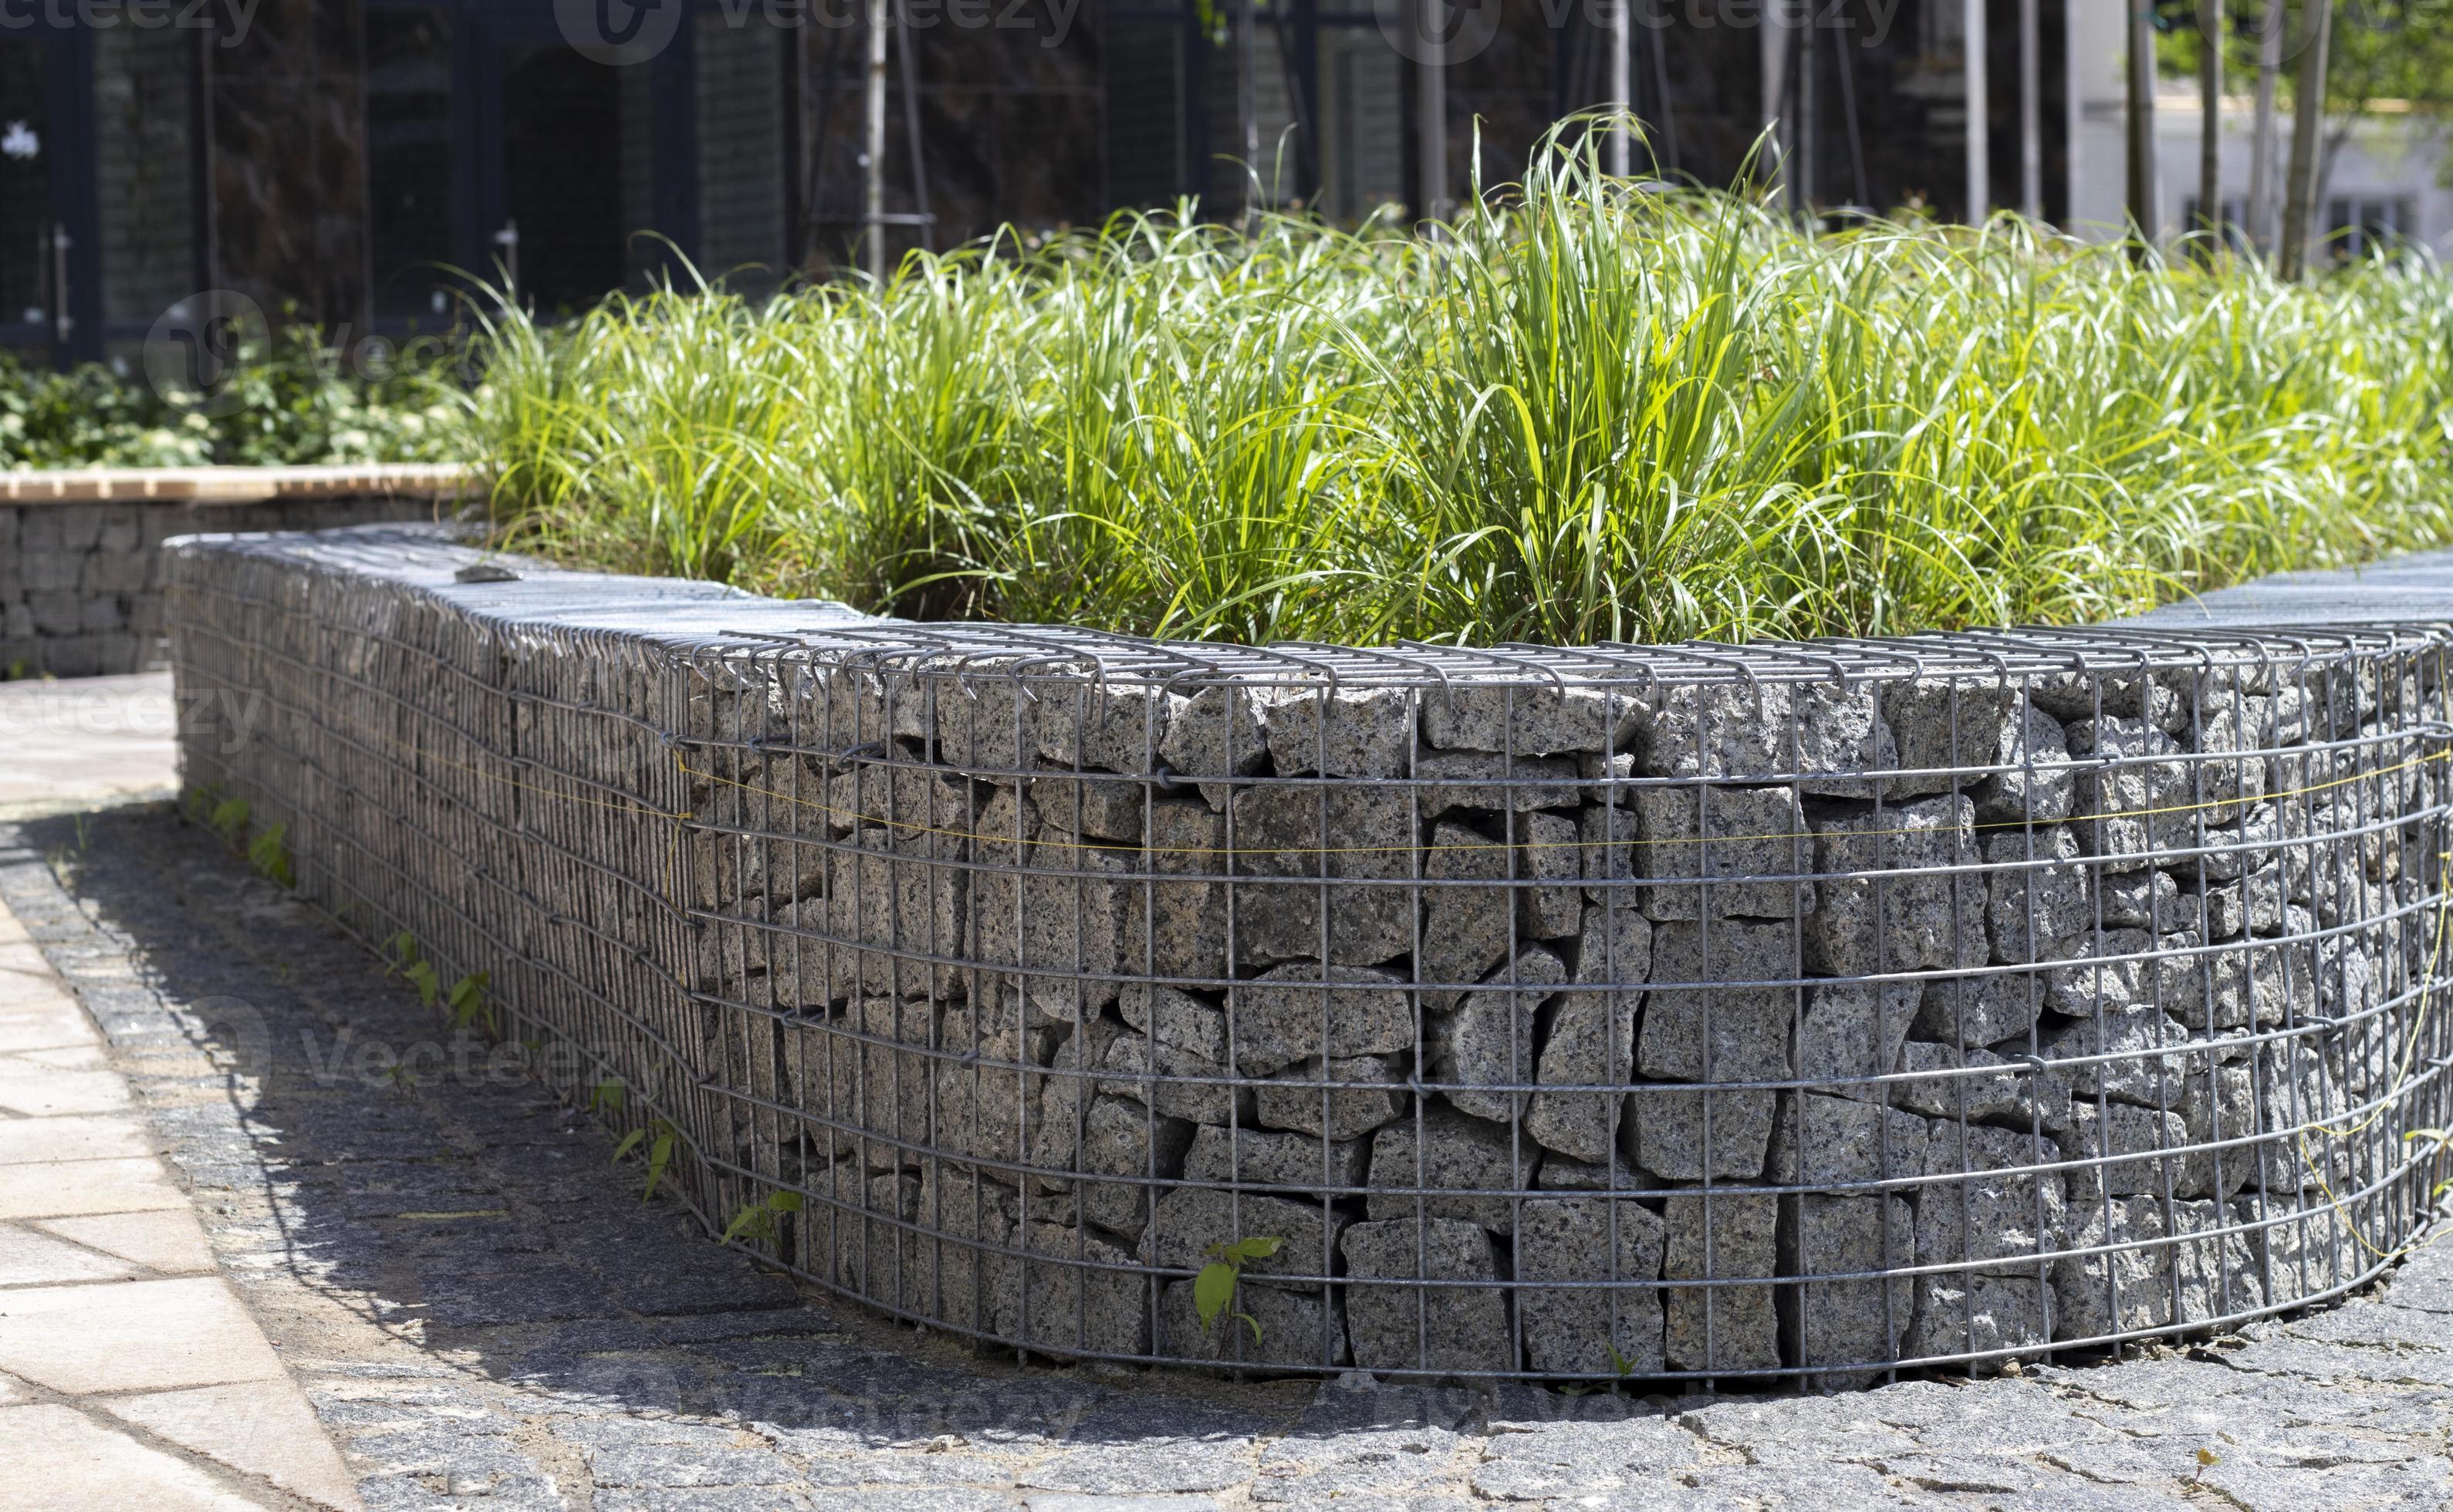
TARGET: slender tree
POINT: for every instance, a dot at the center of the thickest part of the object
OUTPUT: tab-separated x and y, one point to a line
2307	125
2210	87
2142	126
2261	140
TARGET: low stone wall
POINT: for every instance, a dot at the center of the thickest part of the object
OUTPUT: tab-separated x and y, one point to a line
80	594
1798	1011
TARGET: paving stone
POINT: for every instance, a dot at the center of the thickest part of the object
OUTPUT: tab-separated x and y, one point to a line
1727	1236
1487	1040
1591	1041
1848	1323
27	1259
1699	845
1854	1030
1127	1448
1537	718
67	1459
1580	1460
1341	1099
1575	1330
1889	900
1450	1151
2037	785
1190	1219
1439	1328
1260	1156
134	1336
1364	1445
168	1242
1355	844
1284	1015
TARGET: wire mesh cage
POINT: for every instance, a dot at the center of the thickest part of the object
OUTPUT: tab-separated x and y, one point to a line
1793	1012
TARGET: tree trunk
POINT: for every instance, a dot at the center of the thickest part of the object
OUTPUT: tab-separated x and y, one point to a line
2307	125
2141	127
2260	142
2210	88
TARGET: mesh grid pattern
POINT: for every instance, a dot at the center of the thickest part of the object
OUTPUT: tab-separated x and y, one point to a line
1781	1013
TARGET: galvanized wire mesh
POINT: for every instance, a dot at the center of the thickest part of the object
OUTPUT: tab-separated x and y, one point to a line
1788	1011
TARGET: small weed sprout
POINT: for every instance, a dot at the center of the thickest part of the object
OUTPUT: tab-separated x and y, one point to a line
659	1136
468	1005
228	820
1213	1290
269	853
757	1220
608	1097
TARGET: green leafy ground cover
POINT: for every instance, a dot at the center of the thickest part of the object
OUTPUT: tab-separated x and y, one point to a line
285	399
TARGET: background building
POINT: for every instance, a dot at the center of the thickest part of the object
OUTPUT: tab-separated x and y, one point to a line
335	160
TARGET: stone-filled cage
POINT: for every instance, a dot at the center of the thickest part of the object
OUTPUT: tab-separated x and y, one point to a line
1799	1012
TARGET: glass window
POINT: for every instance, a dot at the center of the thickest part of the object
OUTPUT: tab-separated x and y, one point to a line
409	209
145	167
741	175
26	147
579	176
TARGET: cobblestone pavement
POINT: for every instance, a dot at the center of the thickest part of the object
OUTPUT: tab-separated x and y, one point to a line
485	1316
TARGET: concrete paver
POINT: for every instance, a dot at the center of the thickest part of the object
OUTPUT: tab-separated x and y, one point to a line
139	1336
262	1429
29	1259
60	1458
130	1374
66	1187
167	1241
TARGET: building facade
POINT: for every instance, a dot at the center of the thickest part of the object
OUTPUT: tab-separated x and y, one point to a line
350	162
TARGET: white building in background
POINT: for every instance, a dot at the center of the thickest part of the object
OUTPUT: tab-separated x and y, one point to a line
2389	175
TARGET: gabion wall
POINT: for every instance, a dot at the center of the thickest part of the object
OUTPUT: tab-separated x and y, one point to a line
1796	1011
79	596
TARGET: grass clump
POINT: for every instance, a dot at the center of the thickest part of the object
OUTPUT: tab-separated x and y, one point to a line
1585	413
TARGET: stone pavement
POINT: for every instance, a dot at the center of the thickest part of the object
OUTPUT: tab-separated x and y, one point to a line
485	1315
129	1371
94	738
